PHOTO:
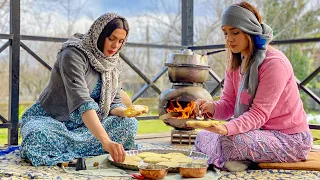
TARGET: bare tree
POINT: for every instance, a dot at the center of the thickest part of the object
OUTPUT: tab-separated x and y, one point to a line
4	13
34	75
2	4
4	57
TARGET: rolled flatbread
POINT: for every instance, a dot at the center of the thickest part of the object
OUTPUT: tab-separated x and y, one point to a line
202	124
135	110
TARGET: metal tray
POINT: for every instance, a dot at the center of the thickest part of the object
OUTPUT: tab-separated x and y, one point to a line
192	154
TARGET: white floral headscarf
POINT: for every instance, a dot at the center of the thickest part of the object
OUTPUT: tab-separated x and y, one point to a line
109	67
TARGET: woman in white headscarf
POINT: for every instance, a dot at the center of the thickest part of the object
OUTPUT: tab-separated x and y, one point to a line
80	112
269	123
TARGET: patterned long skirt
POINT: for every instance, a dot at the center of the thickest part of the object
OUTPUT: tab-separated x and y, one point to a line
46	141
255	146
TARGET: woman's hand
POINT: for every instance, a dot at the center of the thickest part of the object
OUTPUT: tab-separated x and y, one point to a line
91	120
118	111
204	108
218	129
116	150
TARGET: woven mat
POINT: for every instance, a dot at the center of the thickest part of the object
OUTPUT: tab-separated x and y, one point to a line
13	167
107	169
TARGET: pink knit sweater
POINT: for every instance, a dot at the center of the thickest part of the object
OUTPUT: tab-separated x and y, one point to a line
277	104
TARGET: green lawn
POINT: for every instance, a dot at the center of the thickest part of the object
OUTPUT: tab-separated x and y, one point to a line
4	137
316	134
150	126
153	126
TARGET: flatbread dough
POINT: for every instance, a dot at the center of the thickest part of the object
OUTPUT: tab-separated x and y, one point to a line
155	160
147	154
135	110
181	160
173	155
130	162
172	160
169	164
202	124
132	158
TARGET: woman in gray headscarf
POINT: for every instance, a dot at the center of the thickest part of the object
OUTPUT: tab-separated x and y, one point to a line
269	123
80	112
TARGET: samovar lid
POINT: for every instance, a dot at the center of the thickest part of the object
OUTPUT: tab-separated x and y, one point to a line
187	57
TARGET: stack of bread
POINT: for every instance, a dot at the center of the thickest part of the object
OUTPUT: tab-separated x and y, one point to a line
170	159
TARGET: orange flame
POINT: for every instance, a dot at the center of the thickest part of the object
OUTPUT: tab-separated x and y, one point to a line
187	112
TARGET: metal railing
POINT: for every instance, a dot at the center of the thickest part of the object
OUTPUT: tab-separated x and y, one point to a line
14	43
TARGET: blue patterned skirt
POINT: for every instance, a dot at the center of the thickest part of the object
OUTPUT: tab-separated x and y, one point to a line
47	141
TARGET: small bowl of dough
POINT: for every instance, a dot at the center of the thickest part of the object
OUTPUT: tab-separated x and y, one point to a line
153	171
193	170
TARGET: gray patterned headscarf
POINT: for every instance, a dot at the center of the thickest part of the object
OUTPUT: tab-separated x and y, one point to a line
109	67
243	19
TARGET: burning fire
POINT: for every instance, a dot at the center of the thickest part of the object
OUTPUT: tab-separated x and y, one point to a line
186	112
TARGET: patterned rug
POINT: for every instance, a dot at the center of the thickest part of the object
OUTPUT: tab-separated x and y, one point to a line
13	167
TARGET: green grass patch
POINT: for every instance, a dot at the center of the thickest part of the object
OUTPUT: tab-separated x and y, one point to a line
153	126
316	134
4	137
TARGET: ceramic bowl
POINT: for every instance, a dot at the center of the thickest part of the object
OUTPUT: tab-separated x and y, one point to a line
193	170
153	171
